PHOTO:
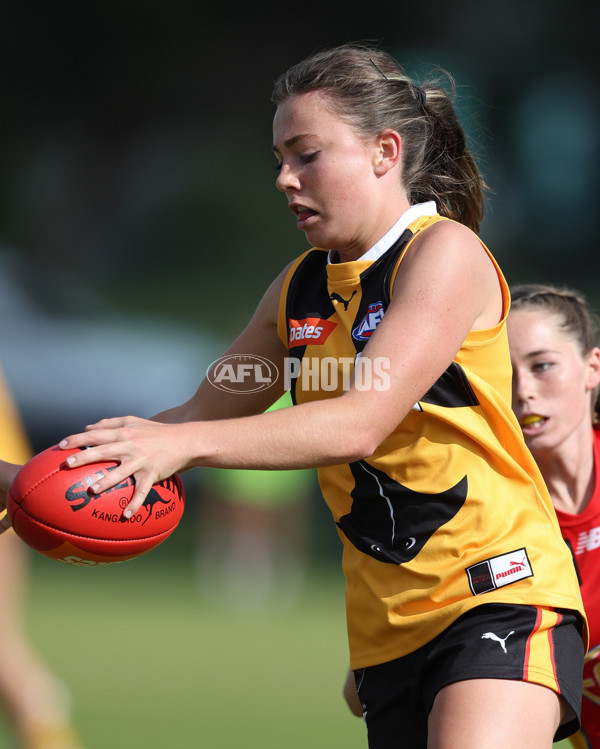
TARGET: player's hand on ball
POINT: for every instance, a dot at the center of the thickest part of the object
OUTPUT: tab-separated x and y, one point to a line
149	451
50	507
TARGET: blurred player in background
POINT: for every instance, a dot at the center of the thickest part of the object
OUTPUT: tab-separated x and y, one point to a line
253	534
556	364
35	700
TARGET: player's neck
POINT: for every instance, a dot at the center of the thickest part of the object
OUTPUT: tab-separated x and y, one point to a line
569	475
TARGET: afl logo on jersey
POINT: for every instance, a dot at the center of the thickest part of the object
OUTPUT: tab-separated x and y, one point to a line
310	331
364	330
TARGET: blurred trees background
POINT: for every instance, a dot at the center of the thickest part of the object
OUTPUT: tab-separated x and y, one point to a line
136	137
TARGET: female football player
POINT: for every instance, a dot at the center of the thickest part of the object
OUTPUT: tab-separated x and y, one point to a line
465	620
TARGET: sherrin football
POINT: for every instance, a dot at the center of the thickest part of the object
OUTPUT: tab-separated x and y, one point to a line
52	509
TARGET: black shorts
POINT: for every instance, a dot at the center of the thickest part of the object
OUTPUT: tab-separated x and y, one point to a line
494	641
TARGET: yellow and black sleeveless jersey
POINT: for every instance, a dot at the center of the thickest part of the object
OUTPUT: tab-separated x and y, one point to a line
451	511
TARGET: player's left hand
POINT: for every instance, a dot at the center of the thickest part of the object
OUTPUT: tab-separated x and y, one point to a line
149	451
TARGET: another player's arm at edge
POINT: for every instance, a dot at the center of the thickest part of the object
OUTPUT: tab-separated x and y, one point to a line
7	473
351	695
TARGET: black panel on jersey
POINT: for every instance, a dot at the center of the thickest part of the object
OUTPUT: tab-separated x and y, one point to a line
451	390
568	543
391	522
307	296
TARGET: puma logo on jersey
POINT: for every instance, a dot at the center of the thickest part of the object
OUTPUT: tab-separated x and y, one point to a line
366	327
495	638
498	571
335	297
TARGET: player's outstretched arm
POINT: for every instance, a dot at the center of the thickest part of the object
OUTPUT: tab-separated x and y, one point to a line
163	447
450	277
258	339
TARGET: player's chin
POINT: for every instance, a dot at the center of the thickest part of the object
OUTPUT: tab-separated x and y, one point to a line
317	232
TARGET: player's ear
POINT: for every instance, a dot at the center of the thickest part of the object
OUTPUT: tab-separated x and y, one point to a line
592	379
388	151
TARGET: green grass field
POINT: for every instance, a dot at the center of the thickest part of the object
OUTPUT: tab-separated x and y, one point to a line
150	665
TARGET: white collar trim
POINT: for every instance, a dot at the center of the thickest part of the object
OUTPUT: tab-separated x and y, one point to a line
391	237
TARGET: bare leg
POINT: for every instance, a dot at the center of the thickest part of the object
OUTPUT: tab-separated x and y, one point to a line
31	694
252	557
494	714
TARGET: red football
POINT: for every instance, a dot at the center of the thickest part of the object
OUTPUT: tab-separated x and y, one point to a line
53	511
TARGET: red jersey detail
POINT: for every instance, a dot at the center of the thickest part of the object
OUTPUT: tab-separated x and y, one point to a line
582	532
310	331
